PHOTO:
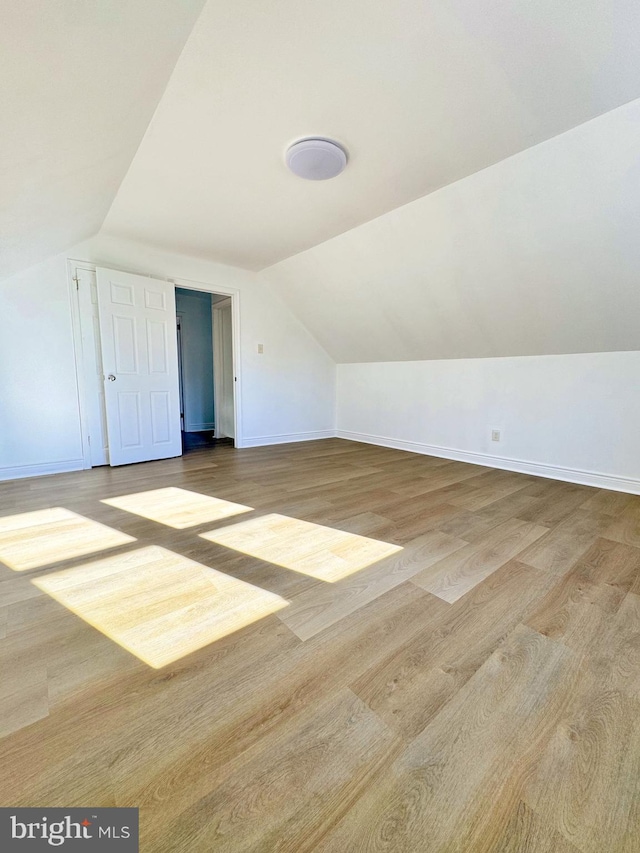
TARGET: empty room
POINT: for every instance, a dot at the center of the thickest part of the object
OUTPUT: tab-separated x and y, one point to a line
320	426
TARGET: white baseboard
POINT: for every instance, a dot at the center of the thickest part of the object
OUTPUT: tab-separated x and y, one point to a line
552	472
199	427
20	471
286	438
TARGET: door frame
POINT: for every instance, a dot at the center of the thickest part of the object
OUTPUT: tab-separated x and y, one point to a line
179	328
217	357
76	327
234	294
222	290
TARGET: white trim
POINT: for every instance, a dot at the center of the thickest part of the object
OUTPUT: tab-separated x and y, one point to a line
521	466
234	293
72	271
218	359
288	438
199	427
39	470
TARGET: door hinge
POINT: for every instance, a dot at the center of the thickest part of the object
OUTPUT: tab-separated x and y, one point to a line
76	278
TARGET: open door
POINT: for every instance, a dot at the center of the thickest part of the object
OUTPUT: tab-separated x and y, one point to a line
140	363
223	374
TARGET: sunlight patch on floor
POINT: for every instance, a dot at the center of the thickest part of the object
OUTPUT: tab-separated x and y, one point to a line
178	508
34	539
311	549
158	605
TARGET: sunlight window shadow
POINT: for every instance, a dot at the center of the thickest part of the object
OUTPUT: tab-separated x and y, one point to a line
34	539
158	605
177	508
311	549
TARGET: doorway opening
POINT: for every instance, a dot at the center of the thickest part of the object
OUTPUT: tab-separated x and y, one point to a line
155	366
205	366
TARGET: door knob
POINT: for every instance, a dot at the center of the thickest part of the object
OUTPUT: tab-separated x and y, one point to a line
111	377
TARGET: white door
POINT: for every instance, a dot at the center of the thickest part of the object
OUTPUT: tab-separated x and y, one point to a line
140	364
223	373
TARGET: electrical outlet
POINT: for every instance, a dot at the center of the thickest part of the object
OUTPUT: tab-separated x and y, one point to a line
260	349
495	435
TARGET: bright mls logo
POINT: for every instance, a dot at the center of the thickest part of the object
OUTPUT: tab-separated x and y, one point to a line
29	830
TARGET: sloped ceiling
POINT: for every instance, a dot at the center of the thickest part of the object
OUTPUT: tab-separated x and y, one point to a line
490	205
538	254
79	82
421	92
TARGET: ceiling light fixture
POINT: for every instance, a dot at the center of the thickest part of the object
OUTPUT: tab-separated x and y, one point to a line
316	159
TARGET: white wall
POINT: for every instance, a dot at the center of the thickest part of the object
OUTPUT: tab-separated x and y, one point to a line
39	416
288	393
537	254
574	417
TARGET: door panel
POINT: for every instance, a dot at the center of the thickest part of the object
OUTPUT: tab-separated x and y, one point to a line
160	417
129	419
137	324
125	345
157	346
121	294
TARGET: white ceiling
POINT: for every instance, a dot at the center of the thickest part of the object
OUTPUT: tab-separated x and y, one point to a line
421	92
537	254
79	82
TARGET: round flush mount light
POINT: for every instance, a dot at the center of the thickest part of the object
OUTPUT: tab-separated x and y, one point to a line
316	159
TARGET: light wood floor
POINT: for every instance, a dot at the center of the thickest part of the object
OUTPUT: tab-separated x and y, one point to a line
325	647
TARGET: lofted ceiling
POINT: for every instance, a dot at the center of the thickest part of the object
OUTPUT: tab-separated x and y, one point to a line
421	93
99	101
79	82
535	255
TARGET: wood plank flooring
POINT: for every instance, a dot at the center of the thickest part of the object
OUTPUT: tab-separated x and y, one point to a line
325	647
